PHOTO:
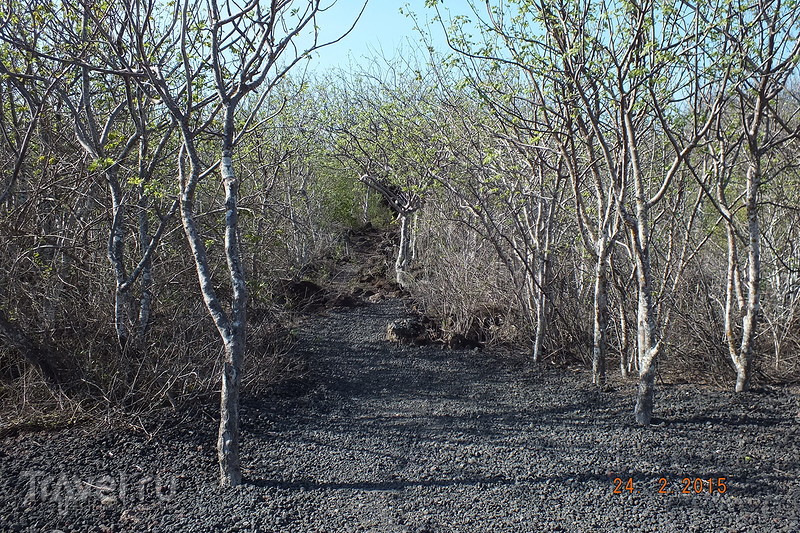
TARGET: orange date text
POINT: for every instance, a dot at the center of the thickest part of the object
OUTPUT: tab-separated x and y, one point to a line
663	485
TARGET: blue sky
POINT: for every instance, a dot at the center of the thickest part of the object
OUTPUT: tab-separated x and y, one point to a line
382	30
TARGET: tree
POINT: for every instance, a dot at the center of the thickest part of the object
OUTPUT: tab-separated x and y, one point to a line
223	54
511	180
569	113
112	119
391	144
761	43
613	76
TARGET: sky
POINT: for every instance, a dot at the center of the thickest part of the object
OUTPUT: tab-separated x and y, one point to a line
382	30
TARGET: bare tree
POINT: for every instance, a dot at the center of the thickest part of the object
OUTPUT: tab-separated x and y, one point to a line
569	113
405	204
226	53
112	119
759	41
614	73
389	140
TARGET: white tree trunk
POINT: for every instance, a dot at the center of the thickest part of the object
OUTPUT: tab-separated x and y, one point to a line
232	330
600	316
146	297
228	435
404	254
648	345
744	361
228	441
116	257
647	329
624	362
541	310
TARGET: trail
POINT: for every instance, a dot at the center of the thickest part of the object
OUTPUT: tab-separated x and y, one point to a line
389	438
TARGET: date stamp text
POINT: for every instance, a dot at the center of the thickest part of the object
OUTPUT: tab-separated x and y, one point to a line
663	485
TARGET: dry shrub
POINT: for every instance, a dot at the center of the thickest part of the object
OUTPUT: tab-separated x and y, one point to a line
268	360
697	349
462	285
28	403
780	359
176	364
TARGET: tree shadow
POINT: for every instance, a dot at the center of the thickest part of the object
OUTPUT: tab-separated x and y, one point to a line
386	406
403	484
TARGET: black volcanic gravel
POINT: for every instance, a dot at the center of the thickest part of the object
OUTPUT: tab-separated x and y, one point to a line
390	438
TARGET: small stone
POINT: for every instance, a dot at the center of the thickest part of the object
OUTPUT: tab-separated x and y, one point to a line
109	500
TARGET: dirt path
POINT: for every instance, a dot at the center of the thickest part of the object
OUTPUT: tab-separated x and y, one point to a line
389	438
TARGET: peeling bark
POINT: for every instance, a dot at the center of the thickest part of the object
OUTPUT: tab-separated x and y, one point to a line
645	398
404	254
744	360
600	318
228	441
540	307
406	206
116	257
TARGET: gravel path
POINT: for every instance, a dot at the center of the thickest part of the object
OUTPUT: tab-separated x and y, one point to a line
388	438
